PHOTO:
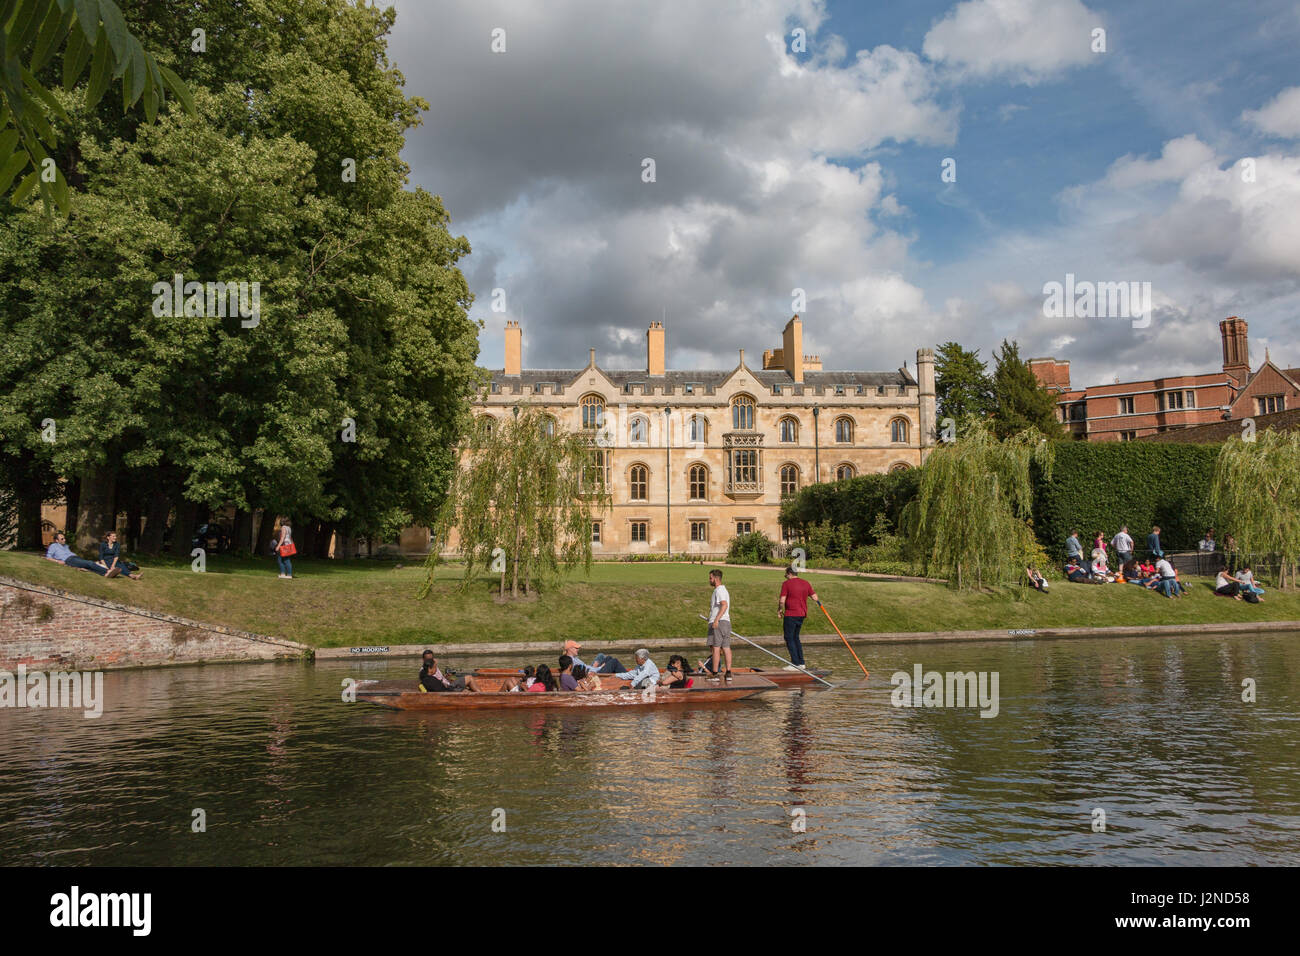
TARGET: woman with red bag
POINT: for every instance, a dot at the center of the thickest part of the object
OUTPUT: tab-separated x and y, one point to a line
284	548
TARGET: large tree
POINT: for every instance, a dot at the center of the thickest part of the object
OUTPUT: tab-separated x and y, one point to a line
338	403
523	502
963	389
1019	401
970	518
1256	494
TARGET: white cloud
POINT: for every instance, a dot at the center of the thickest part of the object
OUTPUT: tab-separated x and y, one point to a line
1280	116
1178	158
1022	40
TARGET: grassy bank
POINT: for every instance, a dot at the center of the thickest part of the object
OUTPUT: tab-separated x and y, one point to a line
334	603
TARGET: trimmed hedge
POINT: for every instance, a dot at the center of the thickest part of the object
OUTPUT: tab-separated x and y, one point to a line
854	502
1100	486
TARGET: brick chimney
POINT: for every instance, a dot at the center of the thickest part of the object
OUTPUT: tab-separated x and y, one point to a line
654	345
1236	349
514	348
792	348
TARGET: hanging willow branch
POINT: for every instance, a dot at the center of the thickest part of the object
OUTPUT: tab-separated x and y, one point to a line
970	518
522	501
1255	494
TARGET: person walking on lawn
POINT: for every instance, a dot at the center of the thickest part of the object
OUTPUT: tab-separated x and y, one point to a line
792	608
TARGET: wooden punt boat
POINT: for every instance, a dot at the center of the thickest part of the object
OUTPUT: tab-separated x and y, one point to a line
404	695
781	678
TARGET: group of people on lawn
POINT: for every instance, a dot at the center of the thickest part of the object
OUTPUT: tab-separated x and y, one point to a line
1156	573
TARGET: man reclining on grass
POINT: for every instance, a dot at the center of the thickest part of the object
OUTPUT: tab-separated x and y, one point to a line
60	553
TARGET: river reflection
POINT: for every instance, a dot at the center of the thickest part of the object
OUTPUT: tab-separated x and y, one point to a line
1153	731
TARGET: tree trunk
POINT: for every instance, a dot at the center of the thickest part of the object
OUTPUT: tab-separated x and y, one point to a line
71	501
132	534
183	529
29	519
155	524
95	515
242	534
324	540
265	532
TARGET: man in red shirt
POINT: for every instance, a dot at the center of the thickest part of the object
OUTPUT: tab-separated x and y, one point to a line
793	608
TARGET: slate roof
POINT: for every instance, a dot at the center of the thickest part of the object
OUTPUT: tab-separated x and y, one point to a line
1223	430
707	380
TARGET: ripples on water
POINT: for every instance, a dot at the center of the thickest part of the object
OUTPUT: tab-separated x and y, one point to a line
1151	730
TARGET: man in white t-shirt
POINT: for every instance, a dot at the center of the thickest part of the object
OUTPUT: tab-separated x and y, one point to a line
1169	585
719	622
1123	545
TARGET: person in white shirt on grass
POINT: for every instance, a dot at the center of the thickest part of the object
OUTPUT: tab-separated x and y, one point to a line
1123	545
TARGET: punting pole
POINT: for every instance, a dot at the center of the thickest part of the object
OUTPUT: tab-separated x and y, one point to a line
843	638
777	656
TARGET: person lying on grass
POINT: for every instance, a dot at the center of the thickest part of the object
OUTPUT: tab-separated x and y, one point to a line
60	553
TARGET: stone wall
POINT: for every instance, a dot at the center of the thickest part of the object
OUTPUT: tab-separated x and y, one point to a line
47	628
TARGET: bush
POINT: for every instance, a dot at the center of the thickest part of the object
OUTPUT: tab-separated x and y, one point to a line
753	548
853	503
1100	486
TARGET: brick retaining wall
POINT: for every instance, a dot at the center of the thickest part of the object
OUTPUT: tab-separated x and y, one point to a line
49	628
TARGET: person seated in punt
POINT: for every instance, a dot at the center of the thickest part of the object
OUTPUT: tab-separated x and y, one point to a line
677	676
433	680
571	650
645	674
587	679
566	680
545	681
523	682
606	664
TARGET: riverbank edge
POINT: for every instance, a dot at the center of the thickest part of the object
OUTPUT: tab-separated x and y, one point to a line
589	648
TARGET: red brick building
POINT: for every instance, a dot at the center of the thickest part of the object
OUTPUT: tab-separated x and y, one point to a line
1126	411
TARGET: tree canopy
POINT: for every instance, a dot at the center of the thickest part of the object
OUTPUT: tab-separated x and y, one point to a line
1019	401
338	387
963	388
1256	494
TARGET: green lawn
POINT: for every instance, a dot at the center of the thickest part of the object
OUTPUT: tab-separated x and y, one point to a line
333	603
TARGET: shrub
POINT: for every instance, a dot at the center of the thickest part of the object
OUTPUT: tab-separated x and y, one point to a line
752	548
852	503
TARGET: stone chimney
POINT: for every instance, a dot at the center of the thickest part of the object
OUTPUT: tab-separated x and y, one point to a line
1236	349
654	345
514	348
792	348
926	408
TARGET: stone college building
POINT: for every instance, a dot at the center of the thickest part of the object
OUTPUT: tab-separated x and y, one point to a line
694	457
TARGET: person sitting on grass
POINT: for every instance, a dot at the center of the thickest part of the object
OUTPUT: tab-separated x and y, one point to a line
1225	586
677	675
433	680
1100	574
1036	580
60	553
110	556
1076	572
1168	583
1246	578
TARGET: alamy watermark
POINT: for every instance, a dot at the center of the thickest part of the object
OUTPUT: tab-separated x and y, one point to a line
216	300
79	690
953	689
1098	300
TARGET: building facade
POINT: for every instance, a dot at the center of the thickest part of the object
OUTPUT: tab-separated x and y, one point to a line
1127	411
694	457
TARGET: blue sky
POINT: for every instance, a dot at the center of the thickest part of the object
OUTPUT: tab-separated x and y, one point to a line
820	171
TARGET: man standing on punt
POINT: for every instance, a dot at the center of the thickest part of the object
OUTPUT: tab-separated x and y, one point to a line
792	609
719	623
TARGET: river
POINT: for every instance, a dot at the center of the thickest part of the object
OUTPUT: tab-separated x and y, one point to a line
1153	732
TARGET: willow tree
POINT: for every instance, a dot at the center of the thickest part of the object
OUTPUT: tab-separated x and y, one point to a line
1256	494
970	518
523	501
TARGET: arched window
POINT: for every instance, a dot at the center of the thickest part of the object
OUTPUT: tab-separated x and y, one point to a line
548	426
638	483
898	430
789	430
489	425
593	412
789	480
637	429
742	413
844	430
899	466
699	482
844	471
697	430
